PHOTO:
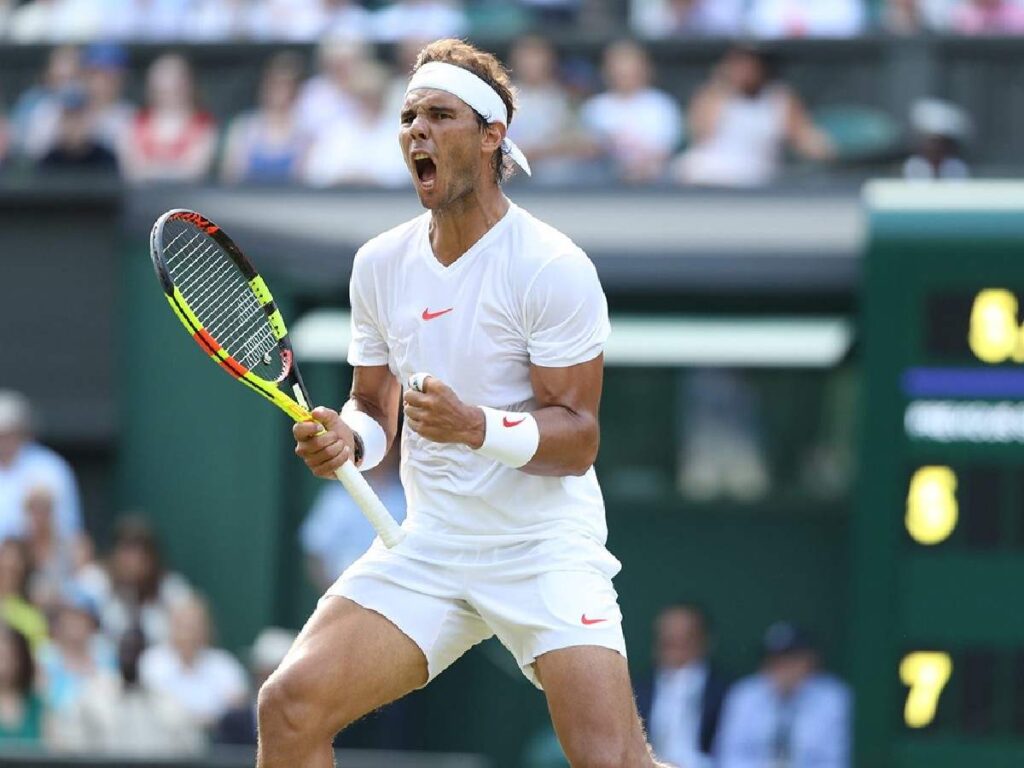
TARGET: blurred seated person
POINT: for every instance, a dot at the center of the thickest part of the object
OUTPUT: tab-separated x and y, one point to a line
987	17
205	680
335	533
327	96
52	554
941	129
110	115
25	464
422	19
788	714
635	126
687	18
309	20
171	139
77	653
140	591
359	148
118	715
266	145
800	18
545	126
15	608
741	120
682	703
36	113
75	150
21	708
238	725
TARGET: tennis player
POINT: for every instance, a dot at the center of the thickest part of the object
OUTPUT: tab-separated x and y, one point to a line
505	530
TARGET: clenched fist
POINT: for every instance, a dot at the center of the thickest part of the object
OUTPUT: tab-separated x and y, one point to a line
438	414
324	444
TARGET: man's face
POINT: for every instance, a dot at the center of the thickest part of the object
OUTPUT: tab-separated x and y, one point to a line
443	146
680	638
788	671
10	442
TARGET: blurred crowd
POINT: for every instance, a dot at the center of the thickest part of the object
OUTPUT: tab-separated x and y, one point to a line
110	653
338	124
54	21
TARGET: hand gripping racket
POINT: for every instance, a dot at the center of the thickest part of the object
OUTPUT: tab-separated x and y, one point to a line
227	308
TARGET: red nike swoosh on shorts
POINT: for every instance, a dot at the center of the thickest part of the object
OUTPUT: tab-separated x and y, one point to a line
428	315
588	622
506	423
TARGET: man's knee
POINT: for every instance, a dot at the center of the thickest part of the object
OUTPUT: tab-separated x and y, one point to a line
289	708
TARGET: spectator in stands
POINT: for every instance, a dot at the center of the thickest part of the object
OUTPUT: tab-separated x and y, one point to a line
987	17
636	126
686	18
36	113
25	464
310	20
902	17
789	713
52	554
799	18
110	115
75	148
545	126
360	148
430	19
682	703
941	129
21	708
206	681
335	533
146	20
238	726
76	655
142	592
15	608
266	145
327	96
740	121
118	715
171	139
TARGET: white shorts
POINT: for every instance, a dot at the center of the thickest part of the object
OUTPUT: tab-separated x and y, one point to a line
446	609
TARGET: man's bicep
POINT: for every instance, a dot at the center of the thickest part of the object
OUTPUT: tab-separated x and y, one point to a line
575	387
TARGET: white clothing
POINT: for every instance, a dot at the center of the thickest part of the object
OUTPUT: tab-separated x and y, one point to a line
637	124
523	293
349	151
676	711
543	117
745	147
321	103
518	592
799	18
117	614
36	465
810	729
658	19
429	20
207	689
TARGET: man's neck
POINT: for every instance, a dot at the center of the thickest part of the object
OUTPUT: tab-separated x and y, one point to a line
454	229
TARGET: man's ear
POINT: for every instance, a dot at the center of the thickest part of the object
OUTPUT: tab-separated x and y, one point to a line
494	134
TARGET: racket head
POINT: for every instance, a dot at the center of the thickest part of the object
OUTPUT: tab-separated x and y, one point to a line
226	307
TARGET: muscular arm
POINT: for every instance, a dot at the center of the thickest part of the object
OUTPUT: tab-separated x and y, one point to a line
375	392
568	400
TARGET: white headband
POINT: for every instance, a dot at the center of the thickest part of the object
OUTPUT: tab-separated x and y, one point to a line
475	92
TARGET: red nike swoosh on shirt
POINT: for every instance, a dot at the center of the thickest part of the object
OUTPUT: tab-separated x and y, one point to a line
506	423
428	315
588	622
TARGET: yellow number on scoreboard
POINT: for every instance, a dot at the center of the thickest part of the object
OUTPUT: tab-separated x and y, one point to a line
996	334
932	508
926	673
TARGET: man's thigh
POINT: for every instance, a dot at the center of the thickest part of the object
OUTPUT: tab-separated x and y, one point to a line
592	708
347	662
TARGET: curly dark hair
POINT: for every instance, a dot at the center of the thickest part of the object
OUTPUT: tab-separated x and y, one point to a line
488	68
25	676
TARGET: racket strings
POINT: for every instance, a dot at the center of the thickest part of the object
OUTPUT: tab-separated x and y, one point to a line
219	296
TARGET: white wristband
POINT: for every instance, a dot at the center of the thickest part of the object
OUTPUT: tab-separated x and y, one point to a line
511	438
375	442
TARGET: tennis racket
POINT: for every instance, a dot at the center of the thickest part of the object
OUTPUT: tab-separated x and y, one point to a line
227	308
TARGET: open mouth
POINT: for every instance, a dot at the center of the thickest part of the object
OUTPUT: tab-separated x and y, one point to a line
426	170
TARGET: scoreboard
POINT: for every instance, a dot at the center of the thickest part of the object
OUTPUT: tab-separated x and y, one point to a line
938	559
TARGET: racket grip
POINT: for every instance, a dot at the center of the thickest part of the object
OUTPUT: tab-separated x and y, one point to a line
382	521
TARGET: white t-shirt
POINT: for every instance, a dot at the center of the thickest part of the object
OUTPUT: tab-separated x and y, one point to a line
522	294
214	682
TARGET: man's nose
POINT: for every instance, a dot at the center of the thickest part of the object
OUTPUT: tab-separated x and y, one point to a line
418	128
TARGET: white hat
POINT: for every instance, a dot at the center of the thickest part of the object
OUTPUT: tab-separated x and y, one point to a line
15	412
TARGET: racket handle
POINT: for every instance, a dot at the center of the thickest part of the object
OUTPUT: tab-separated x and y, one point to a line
382	521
